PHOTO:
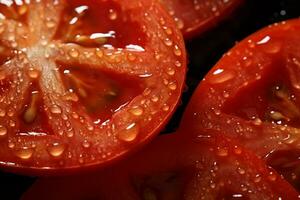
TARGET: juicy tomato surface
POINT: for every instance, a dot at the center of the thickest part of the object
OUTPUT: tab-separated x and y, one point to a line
84	82
197	16
175	167
253	94
204	51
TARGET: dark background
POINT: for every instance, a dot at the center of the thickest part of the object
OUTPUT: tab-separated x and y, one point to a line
204	51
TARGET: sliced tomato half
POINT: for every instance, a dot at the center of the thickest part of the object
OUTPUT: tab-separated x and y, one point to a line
84	82
253	94
173	167
197	16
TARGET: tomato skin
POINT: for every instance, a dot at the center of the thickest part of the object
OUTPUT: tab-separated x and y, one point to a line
173	164
196	17
55	152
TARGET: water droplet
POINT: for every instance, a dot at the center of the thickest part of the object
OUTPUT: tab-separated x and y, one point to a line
131	57
137	110
55	109
272	176
241	171
99	53
179	23
221	76
129	134
24	153
257	178
154	98
86	144
50	23
171	71
74	53
56	149
166	108
33	73
172	85
177	51
178	64
168	42
223	152
237	150
3	131
112	14
2	113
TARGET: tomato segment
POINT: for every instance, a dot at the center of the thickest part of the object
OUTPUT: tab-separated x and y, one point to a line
252	94
197	16
173	167
83	98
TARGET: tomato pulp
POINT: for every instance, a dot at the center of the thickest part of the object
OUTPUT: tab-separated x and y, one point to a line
84	82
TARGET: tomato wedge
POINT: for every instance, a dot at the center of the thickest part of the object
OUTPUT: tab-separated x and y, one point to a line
252	94
173	167
197	16
84	82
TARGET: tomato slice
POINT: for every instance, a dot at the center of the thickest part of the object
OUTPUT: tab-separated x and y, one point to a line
84	82
173	167
197	16
253	94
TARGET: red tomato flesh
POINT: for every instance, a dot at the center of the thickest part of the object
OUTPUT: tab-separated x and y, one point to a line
84	82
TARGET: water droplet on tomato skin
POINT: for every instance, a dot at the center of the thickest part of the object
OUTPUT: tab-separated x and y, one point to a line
272	176
177	51
221	76
33	73
113	15
55	109
128	134
24	153
136	111
3	131
56	149
222	152
74	53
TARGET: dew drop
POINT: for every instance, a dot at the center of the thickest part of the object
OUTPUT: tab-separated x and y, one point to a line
24	153
241	171
137	111
131	57
50	24
74	53
86	144
33	73
172	86
99	53
168	42
3	131
129	134
171	71
55	109
177	51
179	23
222	152
166	108
56	149
112	14
2	113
